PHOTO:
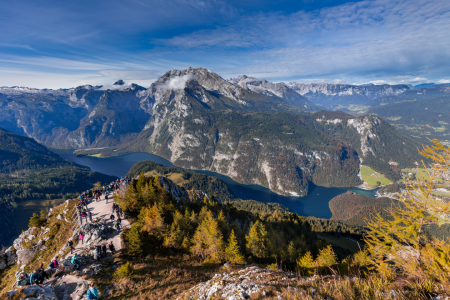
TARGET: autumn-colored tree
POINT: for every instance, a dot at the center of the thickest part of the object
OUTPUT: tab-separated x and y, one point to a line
152	221
38	220
399	244
258	240
326	257
208	240
232	252
306	264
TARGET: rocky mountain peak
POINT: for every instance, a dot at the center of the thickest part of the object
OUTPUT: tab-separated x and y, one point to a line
119	82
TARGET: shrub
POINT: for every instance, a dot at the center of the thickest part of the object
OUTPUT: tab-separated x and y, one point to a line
125	271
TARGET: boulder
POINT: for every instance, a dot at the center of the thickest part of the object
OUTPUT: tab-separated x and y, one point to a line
42	293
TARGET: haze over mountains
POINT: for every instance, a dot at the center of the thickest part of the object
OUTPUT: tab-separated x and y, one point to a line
239	127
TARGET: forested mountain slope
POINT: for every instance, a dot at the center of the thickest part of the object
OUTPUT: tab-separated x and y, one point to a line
28	171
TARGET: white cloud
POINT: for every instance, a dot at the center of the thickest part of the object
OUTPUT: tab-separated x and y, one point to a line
177	83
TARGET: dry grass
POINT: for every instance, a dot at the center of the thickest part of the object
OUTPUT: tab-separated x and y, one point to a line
159	277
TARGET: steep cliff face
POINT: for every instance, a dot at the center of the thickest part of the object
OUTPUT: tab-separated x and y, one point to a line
374	139
277	151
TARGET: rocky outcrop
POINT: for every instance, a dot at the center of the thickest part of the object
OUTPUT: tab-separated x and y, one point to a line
36	292
243	284
7	258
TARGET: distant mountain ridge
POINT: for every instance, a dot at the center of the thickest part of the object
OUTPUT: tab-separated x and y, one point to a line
335	95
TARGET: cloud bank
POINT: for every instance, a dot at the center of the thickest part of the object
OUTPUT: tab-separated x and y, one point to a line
177	83
395	41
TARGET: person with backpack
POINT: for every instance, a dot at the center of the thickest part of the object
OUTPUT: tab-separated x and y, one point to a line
112	248
36	278
111	217
92	292
82	237
117	226
42	272
70	245
90	216
55	263
76	262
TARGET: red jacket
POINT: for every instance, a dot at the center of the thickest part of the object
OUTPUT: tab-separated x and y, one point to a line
56	264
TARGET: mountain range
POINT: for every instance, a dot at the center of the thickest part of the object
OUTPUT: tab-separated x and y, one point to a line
252	130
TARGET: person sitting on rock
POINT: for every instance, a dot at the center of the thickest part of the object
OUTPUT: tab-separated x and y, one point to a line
23	280
36	278
76	262
92	292
42	272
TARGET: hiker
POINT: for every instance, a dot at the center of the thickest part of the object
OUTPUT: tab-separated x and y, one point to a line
42	272
117	226
106	196
119	219
55	263
113	208
99	250
36	278
104	250
95	254
70	244
23	280
111	217
82	237
92	292
76	262
90	216
111	248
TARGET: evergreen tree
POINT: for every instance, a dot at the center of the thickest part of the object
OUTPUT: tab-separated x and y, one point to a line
135	242
223	224
258	240
232	253
175	237
292	251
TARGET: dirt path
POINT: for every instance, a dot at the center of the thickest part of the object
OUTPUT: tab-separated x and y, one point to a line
102	210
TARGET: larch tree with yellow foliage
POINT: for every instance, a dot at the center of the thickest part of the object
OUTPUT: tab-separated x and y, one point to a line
399	245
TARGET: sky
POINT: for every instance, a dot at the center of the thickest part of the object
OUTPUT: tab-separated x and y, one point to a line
63	44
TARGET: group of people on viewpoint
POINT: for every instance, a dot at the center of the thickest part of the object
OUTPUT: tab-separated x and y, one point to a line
39	275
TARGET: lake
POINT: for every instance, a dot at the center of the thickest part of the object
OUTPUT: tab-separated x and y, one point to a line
315	204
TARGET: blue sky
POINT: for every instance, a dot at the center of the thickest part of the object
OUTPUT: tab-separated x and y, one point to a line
53	44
